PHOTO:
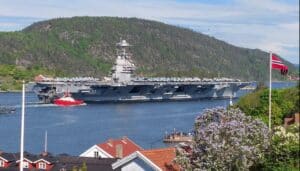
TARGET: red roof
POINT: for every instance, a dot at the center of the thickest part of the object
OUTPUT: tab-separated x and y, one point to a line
39	78
163	158
125	146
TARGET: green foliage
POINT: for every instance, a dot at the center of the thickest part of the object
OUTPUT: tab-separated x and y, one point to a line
83	167
11	76
284	152
80	168
74	168
84	46
284	103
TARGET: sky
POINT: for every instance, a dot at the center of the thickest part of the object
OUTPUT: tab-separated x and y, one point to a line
269	25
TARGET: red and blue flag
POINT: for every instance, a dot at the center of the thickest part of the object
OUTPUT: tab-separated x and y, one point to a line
278	65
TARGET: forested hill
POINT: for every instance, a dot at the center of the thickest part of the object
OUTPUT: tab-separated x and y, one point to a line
85	46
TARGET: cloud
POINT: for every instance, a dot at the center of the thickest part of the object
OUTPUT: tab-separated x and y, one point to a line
12	23
265	24
269	6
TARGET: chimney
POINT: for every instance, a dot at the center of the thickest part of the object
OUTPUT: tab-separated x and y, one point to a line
119	151
110	142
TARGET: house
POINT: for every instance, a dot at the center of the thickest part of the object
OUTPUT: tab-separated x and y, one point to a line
144	160
67	163
45	161
42	162
11	162
6	159
295	118
28	160
112	148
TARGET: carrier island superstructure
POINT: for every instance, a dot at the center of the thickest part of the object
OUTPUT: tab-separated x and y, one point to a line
122	86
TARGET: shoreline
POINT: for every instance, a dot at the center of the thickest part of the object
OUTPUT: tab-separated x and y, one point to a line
14	91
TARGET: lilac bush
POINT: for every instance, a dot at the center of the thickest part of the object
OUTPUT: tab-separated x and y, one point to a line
225	140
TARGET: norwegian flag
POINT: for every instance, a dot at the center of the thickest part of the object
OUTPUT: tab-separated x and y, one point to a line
278	65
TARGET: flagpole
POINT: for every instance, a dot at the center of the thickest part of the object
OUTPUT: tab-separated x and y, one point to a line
270	91
22	128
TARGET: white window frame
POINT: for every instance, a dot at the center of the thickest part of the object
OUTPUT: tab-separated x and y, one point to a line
25	164
42	165
96	154
2	163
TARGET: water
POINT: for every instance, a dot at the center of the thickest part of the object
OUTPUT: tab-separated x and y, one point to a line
72	130
278	85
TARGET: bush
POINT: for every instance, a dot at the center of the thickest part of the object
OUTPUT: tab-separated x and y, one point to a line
283	153
284	103
225	140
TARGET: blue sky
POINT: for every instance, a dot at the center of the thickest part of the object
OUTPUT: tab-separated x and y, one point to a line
270	25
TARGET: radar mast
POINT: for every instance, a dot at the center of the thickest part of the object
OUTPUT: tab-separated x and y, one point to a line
123	67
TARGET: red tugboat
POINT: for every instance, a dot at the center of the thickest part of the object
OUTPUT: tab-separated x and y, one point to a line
67	100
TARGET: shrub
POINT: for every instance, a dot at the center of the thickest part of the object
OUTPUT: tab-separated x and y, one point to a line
284	151
225	140
284	103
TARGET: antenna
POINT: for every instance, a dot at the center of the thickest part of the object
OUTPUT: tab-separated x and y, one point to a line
46	143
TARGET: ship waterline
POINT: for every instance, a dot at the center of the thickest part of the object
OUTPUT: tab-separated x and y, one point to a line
128	93
122	86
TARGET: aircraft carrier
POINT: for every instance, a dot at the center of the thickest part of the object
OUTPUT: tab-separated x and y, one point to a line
122	86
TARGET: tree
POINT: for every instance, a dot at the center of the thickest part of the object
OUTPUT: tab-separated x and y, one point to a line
284	103
225	140
74	168
83	167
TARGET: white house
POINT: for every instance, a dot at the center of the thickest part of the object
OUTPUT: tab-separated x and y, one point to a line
112	148
148	160
135	162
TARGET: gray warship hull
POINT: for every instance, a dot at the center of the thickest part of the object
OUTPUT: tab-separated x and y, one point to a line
122	86
139	92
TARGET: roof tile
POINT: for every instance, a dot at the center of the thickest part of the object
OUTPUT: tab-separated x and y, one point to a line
125	145
163	158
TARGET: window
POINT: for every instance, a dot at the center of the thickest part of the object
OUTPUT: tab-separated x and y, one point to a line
42	165
96	154
25	164
1	163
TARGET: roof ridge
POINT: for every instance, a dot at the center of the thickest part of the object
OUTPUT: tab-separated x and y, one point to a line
120	139
159	149
132	142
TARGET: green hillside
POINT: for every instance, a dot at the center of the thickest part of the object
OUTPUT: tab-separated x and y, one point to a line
85	46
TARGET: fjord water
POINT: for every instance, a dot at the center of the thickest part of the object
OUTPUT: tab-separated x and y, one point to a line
72	130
